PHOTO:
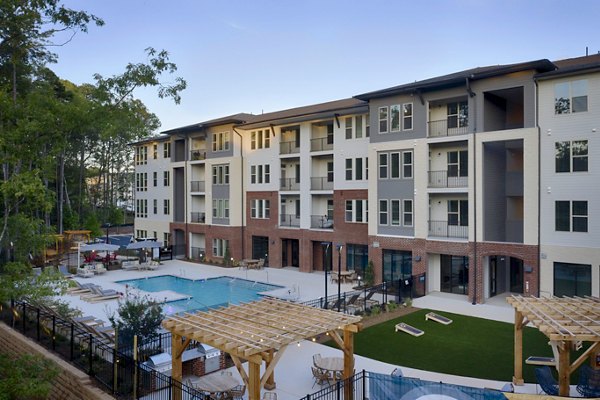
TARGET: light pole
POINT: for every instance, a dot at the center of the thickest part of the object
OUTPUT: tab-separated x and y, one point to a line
326	244
339	300
107	225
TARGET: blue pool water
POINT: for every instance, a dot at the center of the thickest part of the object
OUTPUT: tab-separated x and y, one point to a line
203	293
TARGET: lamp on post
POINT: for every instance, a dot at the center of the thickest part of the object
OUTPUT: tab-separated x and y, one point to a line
107	225
327	245
339	300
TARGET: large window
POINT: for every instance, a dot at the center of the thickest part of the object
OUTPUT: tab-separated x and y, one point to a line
395	118
220	141
357	211
397	264
407	117
167	206
383	212
571	216
454	274
220	208
141	182
167	149
572	279
220	174
383	119
260	173
141	208
383	165
400	117
571	156
458	163
260	139
396	165
141	155
571	97
356	169
357	258
166	178
458	114
458	212
259	209
219	247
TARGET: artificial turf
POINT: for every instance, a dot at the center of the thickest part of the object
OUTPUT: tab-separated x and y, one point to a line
469	346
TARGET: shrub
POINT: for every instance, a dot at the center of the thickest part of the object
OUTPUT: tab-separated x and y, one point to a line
375	310
137	315
392	305
369	274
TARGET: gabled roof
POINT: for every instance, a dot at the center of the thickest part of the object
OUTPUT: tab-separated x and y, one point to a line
572	66
458	78
160	138
239	118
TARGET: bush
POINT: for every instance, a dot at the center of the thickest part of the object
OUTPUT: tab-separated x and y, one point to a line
369	274
391	306
375	310
137	315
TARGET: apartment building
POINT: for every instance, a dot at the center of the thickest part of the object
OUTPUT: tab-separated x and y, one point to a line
152	189
569	118
478	183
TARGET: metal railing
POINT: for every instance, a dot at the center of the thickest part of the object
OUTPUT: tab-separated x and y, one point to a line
321	183
354	388
289	220
440	179
198	217
440	128
197	253
288	147
321	144
198	186
197	155
321	222
443	229
289	184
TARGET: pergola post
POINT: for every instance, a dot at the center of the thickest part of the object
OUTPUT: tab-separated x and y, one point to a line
564	368
348	362
270	383
518	359
176	366
254	380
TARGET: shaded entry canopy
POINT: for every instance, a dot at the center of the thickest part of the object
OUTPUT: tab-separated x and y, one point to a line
565	321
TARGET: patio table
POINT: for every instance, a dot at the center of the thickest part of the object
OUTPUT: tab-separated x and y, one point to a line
216	383
335	365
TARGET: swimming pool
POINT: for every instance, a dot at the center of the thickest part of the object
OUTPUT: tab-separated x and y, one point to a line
202	293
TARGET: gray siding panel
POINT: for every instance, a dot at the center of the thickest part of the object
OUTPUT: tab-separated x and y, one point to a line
494	194
395	189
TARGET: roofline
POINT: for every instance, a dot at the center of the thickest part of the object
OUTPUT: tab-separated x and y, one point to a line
568	71
162	138
543	64
203	125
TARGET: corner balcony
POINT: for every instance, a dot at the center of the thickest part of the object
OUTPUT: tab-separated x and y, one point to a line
321	144
198	217
291	220
321	183
442	128
441	179
198	186
443	229
288	147
289	184
321	222
198	155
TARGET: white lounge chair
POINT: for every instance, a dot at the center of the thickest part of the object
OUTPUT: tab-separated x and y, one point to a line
85	272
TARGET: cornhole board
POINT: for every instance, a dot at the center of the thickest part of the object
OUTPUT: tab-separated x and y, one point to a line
438	318
536	360
411	330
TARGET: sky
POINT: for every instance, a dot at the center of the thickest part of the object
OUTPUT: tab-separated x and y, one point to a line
262	56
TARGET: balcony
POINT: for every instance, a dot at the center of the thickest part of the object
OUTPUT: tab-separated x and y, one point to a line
291	220
442	229
288	147
198	154
321	222
321	183
321	144
289	184
198	186
441	128
198	217
440	179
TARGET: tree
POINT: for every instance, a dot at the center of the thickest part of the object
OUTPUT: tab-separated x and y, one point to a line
369	274
136	315
17	282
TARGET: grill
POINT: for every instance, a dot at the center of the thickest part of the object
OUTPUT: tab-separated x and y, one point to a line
212	358
161	363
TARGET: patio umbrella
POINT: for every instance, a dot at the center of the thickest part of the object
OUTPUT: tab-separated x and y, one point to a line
95	247
145	244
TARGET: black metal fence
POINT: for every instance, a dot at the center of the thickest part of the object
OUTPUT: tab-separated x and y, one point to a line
113	369
353	388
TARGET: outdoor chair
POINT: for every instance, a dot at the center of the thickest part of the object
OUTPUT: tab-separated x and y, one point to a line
260	264
237	393
99	268
367	300
80	287
351	305
317	359
269	396
589	382
320	376
546	380
85	272
242	265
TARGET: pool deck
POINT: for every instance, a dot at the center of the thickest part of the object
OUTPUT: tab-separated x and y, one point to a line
293	374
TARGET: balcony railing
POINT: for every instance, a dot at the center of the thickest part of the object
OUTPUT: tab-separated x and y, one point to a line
198	217
198	154
289	184
321	183
321	222
288	147
440	179
321	144
197	253
289	220
198	186
443	229
441	128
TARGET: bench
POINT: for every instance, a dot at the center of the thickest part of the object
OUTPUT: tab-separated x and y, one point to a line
438	318
411	330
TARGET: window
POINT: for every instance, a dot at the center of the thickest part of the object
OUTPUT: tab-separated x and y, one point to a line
330	171
383	212
358	126
395	212
458	212
397	265
155	206
354	169
167	150
220	174
572	156
141	155
367	126
167	178
407	213
220	247
395	118
220	208
260	209
572	279
167	206
329	209
358	164
454	274
155	151
260	139
395	165
141	208
357	258
349	169
260	173
570	97
253	174
383	165
383	119
458	163
166	239
357	211
407	117
458	114
155	178
348	125
407	164
571	216
220	141
141	182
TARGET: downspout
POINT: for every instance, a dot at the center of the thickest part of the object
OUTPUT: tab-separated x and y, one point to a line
471	94
243	223
539	174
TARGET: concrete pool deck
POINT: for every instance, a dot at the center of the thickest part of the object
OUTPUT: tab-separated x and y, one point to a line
293	374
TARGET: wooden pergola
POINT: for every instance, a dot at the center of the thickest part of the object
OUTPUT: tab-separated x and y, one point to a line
259	331
567	322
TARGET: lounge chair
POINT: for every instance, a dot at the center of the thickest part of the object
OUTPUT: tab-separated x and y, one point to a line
589	382
130	264
64	271
367	301
546	380
85	272
80	287
351	305
99	294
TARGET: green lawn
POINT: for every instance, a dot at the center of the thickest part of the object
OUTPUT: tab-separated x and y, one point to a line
468	347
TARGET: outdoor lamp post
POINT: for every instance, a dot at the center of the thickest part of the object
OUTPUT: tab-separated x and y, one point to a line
326	244
107	225
339	300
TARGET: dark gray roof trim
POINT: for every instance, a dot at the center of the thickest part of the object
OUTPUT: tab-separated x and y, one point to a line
230	119
161	138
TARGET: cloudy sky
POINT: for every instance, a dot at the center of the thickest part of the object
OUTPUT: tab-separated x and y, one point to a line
261	56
